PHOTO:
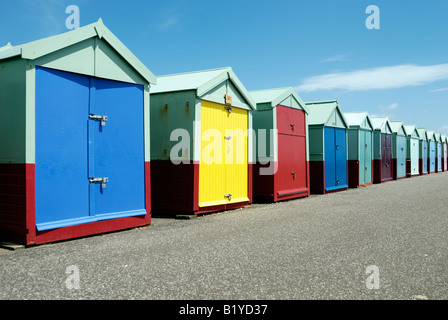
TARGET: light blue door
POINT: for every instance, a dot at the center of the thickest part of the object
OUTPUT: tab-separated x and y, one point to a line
432	156
425	156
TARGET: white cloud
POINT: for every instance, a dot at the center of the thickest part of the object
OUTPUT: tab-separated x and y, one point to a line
393	106
339	57
376	78
443	129
170	21
439	90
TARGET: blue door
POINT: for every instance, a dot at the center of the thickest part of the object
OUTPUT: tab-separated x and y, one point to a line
330	158
341	158
432	156
335	158
61	168
116	150
73	148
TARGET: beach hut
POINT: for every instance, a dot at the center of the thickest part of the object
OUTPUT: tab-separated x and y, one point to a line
439	157
281	169
327	147
360	149
423	151
382	150
399	149
445	153
412	150
74	159
431	152
201	146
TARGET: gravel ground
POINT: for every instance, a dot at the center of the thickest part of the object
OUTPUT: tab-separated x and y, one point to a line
313	248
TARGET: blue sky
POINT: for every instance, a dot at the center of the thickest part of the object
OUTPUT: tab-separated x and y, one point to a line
322	48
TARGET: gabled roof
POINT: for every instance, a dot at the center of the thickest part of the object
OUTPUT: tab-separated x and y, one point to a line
411	130
422	133
444	138
357	119
399	128
321	111
202	82
438	137
39	48
276	96
379	123
431	135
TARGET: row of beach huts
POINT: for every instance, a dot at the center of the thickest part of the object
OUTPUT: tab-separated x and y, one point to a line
91	141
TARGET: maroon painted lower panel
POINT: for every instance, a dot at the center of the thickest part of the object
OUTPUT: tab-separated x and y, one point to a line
263	184
89	229
18	215
13	202
317	177
265	189
420	167
377	172
353	173
408	168
173	187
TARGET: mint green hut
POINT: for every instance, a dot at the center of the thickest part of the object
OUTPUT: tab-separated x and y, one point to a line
281	169
412	150
360	149
74	110
399	149
423	151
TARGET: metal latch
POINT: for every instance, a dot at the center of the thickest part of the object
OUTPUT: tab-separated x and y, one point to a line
103	181
337	147
229	110
229	195
103	119
293	126
293	175
227	137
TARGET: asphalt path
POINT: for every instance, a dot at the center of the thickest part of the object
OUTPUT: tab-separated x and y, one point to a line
385	241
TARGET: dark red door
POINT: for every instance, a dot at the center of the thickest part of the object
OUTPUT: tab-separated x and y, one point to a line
291	176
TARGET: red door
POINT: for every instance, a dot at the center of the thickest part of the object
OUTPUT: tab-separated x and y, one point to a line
291	176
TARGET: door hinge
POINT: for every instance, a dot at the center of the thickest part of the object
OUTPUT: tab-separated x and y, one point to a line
103	119
103	181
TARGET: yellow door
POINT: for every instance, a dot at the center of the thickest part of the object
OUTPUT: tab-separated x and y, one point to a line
223	170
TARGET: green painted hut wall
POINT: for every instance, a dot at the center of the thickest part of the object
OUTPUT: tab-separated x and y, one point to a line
13	111
170	111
